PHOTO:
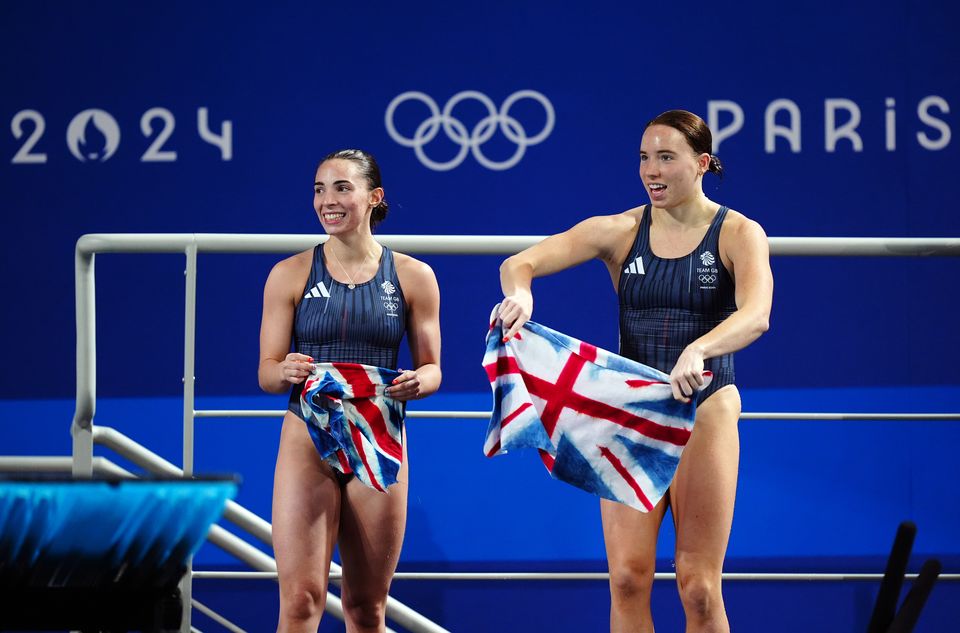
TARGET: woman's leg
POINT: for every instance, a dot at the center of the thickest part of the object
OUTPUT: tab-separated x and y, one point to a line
372	524
630	537
702	497
306	516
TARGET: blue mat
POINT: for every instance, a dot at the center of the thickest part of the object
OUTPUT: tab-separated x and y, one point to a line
84	533
97	555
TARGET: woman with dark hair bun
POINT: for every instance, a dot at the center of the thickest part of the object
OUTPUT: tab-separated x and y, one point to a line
694	285
345	305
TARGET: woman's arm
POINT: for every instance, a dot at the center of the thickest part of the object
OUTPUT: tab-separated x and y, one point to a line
596	237
749	254
279	369
422	295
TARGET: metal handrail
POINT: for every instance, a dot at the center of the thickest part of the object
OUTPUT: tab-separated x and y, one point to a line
191	244
485	244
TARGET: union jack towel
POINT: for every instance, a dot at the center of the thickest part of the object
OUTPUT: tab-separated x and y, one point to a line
354	425
603	423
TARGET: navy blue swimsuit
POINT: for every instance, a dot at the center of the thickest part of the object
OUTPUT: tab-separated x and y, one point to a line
666	304
334	323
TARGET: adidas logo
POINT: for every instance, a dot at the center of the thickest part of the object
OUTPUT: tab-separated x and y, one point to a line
636	268
317	291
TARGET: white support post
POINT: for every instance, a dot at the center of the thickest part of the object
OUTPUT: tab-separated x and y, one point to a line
82	427
189	355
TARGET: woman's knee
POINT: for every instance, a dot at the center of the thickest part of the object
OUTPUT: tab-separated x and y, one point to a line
365	612
302	600
699	591
631	580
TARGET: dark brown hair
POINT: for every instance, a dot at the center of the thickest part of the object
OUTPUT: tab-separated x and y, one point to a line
370	170
694	130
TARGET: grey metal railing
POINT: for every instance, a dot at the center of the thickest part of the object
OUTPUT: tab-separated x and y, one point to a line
84	433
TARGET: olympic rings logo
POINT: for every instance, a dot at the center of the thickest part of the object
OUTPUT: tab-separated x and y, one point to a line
708	279
482	132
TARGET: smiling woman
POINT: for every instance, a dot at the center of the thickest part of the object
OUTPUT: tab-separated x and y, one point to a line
345	305
694	284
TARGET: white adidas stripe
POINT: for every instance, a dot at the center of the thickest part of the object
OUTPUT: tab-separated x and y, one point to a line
317	291
636	267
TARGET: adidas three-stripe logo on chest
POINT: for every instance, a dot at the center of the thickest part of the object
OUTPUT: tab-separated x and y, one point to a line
635	268
317	291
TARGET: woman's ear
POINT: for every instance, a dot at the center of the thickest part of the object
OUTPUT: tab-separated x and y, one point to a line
703	163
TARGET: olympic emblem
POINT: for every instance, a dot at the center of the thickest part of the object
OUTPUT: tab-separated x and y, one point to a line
391	306
482	132
86	129
708	279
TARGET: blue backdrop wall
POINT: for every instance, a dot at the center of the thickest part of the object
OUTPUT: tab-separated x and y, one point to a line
832	119
283	85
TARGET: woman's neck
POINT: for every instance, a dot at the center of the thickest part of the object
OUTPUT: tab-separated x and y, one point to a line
354	247
689	214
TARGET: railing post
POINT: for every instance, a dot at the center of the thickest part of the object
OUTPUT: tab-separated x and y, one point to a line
189	355
82	427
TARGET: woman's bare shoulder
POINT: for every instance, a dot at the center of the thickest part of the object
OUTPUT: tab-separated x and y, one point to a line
416	277
610	234
742	236
413	268
623	221
291	270
736	223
